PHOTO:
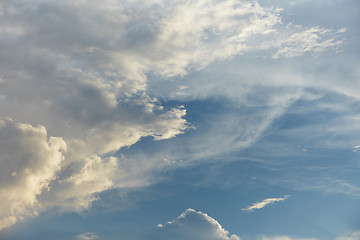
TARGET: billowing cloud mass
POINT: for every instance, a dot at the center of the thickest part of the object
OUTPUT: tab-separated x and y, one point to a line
193	225
30	160
74	79
39	172
262	204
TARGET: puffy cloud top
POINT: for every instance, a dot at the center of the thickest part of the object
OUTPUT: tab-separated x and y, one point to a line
193	225
29	162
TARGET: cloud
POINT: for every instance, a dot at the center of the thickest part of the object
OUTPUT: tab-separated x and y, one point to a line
313	40
80	72
351	236
262	204
29	160
87	236
356	148
193	225
286	238
78	190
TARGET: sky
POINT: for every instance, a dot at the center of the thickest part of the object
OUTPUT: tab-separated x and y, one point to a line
183	119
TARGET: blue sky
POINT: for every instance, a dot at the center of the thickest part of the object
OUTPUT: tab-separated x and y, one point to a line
216	120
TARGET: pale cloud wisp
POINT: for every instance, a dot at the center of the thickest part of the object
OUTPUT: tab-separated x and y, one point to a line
262	204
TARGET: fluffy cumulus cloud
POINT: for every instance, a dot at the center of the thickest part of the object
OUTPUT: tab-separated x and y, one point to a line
262	204
75	76
29	160
193	225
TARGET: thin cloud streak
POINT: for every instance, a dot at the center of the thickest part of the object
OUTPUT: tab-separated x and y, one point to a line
356	148
262	204
87	236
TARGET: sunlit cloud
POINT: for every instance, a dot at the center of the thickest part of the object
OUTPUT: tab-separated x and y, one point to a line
193	225
75	76
87	236
356	148
262	204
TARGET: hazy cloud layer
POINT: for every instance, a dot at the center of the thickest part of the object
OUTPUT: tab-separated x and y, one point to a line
286	238
351	236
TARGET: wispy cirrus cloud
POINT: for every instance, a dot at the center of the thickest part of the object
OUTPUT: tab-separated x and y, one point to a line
356	148
262	204
314	40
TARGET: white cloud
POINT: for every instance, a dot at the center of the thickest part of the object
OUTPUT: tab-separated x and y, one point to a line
87	236
351	236
29	160
77	191
286	238
193	225
313	40
81	70
356	148
262	204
